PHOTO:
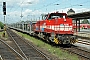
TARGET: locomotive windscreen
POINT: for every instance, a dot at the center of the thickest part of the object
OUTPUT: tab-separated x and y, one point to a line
57	15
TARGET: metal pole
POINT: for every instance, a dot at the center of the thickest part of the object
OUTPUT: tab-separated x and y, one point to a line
4	19
79	25
4	27
76	25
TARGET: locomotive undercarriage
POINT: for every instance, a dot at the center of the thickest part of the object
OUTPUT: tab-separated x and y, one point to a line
58	38
65	39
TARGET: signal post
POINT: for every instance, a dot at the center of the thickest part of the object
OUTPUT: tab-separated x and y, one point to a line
4	13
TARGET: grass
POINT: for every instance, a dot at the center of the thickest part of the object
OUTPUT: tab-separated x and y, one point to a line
63	55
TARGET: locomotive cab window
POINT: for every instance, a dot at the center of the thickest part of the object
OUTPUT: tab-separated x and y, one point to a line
56	15
45	17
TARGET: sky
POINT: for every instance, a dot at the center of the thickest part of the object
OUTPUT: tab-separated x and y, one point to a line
32	9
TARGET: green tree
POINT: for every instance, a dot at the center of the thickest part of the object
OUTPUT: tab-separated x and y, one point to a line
1	25
85	21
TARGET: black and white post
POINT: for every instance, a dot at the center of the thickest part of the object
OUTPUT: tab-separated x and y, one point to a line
4	13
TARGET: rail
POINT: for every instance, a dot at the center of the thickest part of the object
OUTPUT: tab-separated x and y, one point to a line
17	45
86	42
21	42
80	52
12	50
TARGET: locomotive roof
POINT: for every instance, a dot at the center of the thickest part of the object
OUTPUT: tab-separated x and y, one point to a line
55	14
48	16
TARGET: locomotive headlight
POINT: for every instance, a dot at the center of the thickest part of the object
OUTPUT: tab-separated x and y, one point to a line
67	36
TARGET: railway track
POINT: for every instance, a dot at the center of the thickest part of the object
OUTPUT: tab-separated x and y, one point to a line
8	53
28	51
86	42
79	51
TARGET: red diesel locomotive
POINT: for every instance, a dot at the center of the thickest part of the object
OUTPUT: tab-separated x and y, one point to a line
55	27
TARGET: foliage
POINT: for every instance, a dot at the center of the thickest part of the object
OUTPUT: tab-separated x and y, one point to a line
85	21
1	25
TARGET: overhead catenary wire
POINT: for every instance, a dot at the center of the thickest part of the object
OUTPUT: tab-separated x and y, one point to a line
51	3
71	5
47	5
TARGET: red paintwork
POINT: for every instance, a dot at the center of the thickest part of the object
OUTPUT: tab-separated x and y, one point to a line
57	25
86	26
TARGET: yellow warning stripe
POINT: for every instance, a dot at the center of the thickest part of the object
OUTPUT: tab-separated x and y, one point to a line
56	41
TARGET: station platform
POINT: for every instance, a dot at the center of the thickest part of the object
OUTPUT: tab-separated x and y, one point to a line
83	33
